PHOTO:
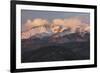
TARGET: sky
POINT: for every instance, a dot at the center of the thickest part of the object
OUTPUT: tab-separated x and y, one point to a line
51	15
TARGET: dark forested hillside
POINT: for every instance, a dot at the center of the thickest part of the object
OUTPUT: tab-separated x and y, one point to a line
51	48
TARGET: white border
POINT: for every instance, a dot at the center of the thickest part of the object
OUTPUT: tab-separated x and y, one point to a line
20	65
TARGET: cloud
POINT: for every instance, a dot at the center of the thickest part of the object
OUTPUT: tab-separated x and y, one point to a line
27	25
57	25
35	23
85	27
38	25
72	23
58	21
39	22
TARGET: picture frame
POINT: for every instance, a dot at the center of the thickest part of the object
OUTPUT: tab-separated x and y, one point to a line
21	10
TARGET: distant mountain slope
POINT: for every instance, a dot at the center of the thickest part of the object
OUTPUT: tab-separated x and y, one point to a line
54	52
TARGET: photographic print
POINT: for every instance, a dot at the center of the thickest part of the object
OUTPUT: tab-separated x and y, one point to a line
53	36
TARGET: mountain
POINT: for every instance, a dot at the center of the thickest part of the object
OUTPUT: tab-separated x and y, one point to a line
58	41
38	41
69	47
56	47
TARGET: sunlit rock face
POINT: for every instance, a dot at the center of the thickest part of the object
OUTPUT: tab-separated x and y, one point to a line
55	28
86	28
29	33
25	35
